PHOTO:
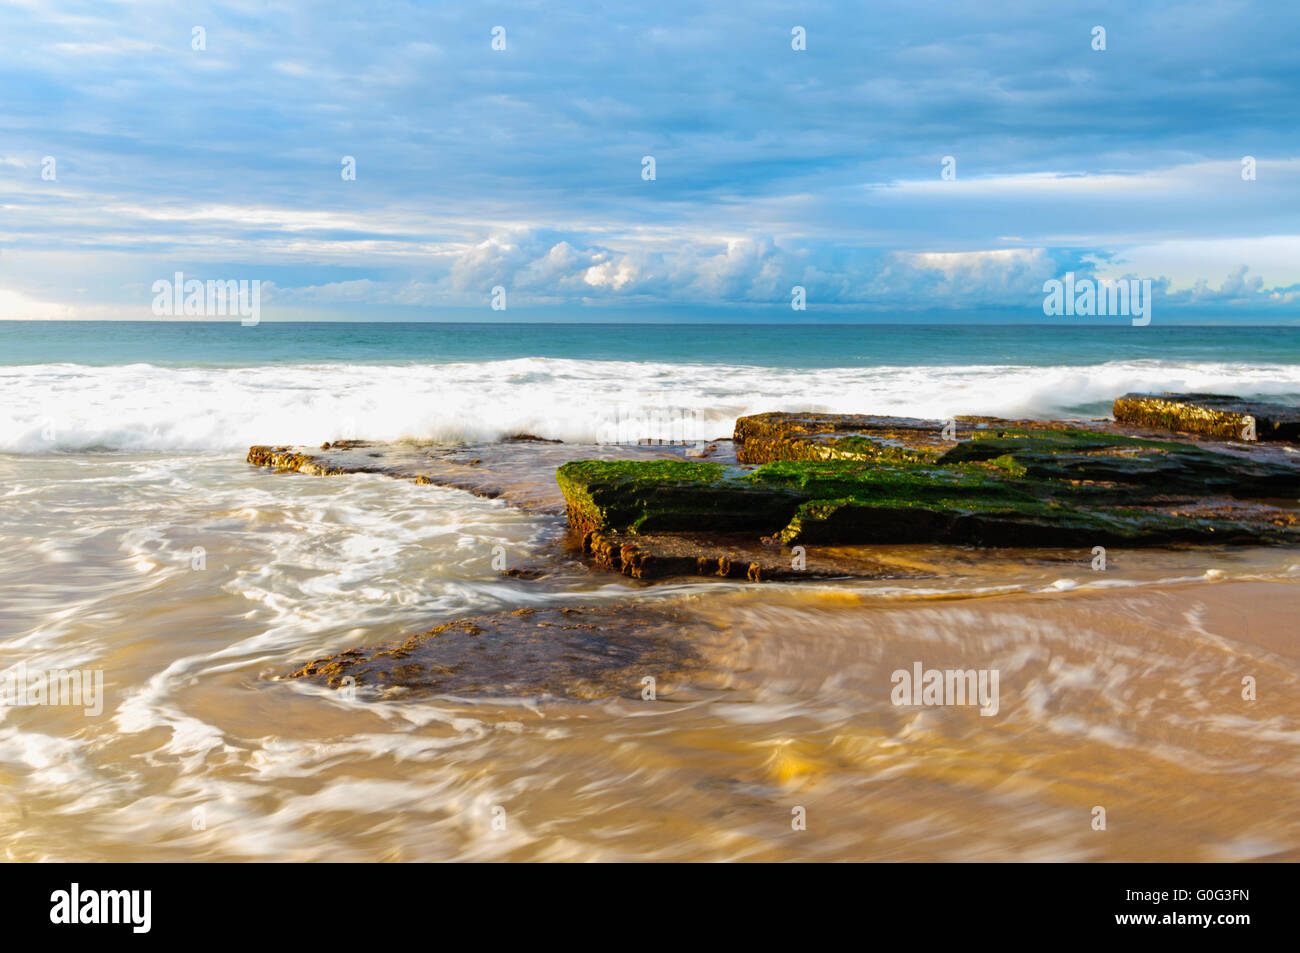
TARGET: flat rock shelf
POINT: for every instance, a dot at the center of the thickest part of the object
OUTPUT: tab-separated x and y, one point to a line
807	496
822	479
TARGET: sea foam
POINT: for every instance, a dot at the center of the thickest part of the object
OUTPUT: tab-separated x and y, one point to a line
143	407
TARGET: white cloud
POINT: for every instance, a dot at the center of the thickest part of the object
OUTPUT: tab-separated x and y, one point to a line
15	306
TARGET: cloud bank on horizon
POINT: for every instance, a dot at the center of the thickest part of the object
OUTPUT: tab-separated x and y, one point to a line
945	162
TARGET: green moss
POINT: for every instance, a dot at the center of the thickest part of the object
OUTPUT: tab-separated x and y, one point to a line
1039	523
1020	497
843	479
670	470
1008	465
1060	461
1012	441
669	496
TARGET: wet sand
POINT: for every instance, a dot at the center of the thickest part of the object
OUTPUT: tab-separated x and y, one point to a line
1119	689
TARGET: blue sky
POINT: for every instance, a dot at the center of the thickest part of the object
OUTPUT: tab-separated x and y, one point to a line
774	167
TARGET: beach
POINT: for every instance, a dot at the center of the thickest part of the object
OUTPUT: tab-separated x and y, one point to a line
137	543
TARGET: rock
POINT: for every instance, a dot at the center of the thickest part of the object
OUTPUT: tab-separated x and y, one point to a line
526	572
835	482
763	438
664	555
519	472
1124	467
1044	524
577	652
666	496
287	458
1220	416
1003	484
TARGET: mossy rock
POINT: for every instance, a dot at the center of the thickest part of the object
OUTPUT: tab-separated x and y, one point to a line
665	496
1142	466
1046	523
1019	497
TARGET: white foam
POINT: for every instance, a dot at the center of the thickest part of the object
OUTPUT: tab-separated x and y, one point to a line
144	407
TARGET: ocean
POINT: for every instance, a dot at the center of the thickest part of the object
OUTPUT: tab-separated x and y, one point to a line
137	543
159	386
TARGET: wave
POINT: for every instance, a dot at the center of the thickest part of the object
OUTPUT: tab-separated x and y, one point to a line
143	407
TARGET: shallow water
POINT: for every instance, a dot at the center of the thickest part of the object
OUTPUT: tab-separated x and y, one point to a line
1118	689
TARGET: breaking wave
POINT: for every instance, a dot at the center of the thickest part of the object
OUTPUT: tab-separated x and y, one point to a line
143	407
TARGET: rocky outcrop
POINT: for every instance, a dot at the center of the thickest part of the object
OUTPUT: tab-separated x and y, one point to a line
841	481
1220	416
857	479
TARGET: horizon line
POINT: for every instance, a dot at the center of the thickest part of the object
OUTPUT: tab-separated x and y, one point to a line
1241	323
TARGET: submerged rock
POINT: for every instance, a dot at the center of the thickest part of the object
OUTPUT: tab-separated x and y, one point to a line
577	652
1215	415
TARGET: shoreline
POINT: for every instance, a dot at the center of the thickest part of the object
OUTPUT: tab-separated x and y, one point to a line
1108	697
1119	687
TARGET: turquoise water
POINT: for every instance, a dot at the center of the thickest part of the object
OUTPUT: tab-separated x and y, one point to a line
228	344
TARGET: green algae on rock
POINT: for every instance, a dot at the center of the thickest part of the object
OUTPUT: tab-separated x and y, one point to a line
1045	523
753	558
839	501
1136	467
1221	416
845	481
649	496
859	479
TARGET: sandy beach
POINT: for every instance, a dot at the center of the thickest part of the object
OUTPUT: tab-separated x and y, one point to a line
1120	689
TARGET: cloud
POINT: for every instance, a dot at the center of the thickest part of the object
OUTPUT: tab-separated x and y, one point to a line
774	167
15	306
760	274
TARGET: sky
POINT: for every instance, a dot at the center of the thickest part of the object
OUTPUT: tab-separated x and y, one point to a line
210	139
